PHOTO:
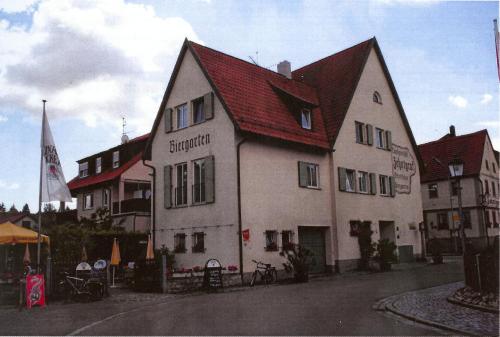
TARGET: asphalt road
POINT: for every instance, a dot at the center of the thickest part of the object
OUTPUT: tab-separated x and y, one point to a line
338	305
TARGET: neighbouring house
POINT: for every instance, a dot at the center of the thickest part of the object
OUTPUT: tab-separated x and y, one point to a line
479	184
20	219
117	180
249	160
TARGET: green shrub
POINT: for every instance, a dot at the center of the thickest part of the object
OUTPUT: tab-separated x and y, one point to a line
297	262
385	254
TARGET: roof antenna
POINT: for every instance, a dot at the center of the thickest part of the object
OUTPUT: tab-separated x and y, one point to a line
124	134
256	60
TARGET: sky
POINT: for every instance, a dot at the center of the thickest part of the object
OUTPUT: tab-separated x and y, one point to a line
98	61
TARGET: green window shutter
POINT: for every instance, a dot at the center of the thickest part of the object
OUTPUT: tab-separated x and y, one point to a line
302	174
168	120
209	179
167	186
392	186
373	183
388	137
342	177
208	105
369	134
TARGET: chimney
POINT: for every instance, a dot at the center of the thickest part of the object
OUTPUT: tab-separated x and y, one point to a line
285	69
452	130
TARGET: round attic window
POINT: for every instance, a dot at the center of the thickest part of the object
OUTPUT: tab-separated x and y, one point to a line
377	98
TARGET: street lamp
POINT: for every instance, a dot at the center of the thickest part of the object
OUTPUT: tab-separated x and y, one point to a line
456	167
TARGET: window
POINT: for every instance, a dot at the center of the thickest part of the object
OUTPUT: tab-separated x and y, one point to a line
181	188
182	116
466	219
486	187
83	170
433	191
363	182
306	119
377	98
384	184
180	243
198	111
26	224
454	188
443	221
493	167
199	181
495	222
350	182
88	201
105	197
487	165
380	135
98	165
287	240
271	240
308	175
493	189
199	242
360	133
116	159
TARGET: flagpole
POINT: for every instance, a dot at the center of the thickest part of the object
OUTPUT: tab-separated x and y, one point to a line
40	193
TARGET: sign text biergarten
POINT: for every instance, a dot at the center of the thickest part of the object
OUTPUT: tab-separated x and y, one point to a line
189	143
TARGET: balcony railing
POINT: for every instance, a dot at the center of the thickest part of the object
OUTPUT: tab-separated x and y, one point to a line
133	205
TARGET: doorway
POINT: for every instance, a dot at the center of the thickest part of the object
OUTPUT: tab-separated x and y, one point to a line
313	239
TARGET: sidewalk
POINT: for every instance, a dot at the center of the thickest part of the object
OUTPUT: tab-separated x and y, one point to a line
430	307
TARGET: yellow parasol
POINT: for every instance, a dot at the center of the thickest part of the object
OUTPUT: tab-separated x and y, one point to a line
27	257
115	254
84	254
150	254
10	233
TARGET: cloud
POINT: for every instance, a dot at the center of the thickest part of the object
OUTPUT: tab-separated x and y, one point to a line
17	6
486	99
8	186
458	101
407	2
3	119
92	60
494	124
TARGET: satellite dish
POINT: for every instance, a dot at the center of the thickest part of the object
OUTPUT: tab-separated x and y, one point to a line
83	266
124	139
100	264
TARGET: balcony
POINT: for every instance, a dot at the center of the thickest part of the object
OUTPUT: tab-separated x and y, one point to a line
133	205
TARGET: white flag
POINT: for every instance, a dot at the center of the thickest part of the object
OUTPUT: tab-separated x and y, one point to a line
54	186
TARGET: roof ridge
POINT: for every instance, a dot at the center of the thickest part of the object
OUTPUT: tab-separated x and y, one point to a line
334	54
442	140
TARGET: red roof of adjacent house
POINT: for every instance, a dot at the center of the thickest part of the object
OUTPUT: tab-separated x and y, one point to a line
469	148
13	217
77	182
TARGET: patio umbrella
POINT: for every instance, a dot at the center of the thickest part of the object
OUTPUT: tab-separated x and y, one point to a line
84	254
27	257
150	254
115	258
10	233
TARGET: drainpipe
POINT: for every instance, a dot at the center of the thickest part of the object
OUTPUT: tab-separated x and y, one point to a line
482	198
240	238
153	204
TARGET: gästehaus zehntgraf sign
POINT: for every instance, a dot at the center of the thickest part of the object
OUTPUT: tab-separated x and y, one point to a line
404	167
184	145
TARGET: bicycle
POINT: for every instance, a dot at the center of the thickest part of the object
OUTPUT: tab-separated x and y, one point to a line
80	288
267	273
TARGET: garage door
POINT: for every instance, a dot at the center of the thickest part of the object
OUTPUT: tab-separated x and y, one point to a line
314	240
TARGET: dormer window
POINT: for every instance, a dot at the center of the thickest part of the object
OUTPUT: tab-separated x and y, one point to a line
377	98
83	170
116	159
306	119
98	165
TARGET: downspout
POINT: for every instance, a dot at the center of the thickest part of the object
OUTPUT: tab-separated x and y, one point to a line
153	203
240	238
483	209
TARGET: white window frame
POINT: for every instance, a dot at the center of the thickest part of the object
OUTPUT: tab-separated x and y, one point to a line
380	138
116	159
178	238
88	198
183	180
196	239
181	115
98	165
312	171
271	237
363	182
384	185
306	121
106	197
199	179
199	102
83	169
350	184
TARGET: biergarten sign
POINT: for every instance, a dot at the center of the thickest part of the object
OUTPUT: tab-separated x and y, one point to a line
212	279
404	167
190	143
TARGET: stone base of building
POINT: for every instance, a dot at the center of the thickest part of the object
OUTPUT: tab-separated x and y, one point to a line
342	266
189	282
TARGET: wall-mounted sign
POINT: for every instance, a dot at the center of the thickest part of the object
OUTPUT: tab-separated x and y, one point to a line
246	234
212	279
190	143
404	167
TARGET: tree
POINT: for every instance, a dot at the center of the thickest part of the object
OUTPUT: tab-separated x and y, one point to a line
26	209
2	208
49	208
13	209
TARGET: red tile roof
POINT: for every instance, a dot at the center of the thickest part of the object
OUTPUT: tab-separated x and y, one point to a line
77	183
247	91
469	148
8	217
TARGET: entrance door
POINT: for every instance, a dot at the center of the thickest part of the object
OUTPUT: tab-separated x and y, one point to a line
313	239
387	230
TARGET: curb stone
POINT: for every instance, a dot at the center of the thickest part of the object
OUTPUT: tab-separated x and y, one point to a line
453	300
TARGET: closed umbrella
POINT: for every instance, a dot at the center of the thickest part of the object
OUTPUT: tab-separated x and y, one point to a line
84	255
150	255
27	258
115	258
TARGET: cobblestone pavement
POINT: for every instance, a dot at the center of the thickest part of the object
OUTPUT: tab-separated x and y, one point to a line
429	306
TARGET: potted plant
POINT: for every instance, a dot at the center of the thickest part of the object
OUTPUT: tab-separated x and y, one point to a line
436	251
366	246
297	262
385	254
